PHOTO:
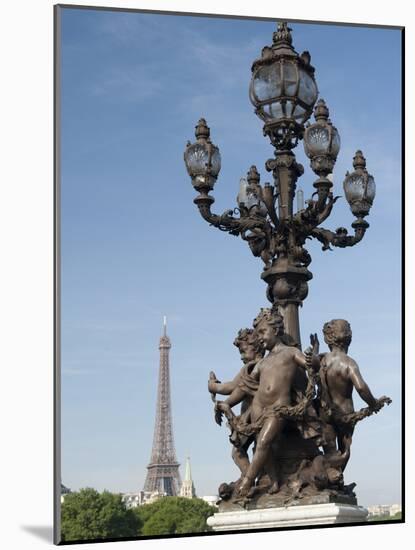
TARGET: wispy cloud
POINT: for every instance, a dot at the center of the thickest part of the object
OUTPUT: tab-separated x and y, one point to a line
133	83
130	29
225	64
217	66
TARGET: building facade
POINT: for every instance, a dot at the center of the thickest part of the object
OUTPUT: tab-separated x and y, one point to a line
132	500
384	509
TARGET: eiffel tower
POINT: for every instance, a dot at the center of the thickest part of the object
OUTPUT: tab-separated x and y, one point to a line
163	470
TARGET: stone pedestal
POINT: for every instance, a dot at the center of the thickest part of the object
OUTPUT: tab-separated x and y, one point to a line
291	516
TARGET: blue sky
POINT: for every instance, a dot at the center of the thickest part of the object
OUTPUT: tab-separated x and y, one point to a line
134	247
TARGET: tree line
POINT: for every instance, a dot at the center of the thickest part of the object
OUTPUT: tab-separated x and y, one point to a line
88	514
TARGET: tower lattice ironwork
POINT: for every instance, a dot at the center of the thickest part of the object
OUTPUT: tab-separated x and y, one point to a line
163	470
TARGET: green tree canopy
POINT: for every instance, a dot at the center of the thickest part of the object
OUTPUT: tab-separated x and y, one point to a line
88	514
170	515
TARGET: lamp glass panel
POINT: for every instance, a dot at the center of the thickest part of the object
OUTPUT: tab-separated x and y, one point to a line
196	157
299	113
242	195
215	162
317	141
290	79
267	82
289	107
371	189
276	110
307	90
354	187
335	142
264	112
251	199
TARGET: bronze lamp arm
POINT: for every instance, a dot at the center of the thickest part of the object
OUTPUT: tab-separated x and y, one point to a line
340	237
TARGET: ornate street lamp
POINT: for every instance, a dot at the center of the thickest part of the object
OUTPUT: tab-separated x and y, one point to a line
359	187
284	92
322	145
283	89
202	159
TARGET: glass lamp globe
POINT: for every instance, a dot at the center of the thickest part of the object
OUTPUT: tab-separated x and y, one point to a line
283	88
202	158
242	196
248	198
255	205
321	138
359	187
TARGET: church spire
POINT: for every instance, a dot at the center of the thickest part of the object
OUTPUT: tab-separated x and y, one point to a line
187	471
187	489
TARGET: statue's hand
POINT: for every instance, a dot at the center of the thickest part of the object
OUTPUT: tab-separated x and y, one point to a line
315	344
212	382
377	406
308	353
222	408
385	400
380	402
218	414
218	417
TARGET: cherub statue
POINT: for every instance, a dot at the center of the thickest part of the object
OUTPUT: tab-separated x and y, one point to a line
251	351
339	375
273	382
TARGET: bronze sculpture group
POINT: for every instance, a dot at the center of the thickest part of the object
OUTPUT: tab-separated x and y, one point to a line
291	440
297	414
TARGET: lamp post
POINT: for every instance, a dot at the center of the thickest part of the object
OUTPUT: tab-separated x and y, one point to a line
284	93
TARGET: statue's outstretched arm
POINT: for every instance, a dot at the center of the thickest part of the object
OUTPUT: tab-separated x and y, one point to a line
225	407
224	388
239	393
359	383
236	397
